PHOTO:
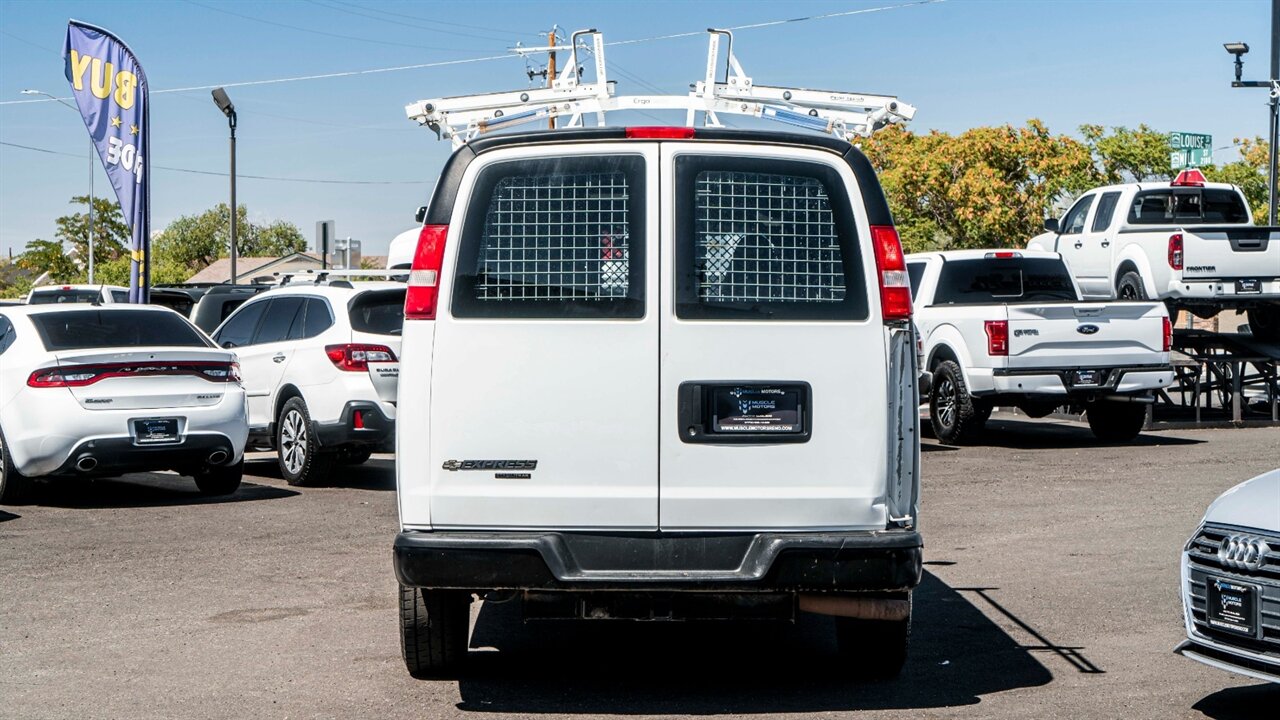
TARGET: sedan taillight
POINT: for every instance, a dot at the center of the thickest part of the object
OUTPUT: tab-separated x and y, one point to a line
82	375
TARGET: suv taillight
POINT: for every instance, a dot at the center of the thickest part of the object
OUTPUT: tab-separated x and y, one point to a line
1168	335
997	337
891	270
424	275
1175	251
356	358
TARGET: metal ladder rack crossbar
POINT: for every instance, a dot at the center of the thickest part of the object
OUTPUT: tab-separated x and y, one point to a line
841	114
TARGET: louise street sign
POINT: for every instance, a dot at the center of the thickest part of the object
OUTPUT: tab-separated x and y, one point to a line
1190	150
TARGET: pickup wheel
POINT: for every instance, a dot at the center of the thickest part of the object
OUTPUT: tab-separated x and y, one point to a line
1264	323
954	413
220	480
873	649
15	487
297	448
1130	287
1116	422
433	630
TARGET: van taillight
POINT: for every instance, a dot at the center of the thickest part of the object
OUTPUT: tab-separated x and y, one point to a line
1175	251
424	275
997	337
891	270
1167	344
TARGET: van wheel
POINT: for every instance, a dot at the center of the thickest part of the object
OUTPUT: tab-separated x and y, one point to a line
953	412
1130	287
296	446
220	480
1264	323
1116	422
15	487
873	649
433	630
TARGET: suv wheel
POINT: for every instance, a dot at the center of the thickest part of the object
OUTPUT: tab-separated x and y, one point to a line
14	486
220	480
954	413
296	445
433	630
1264	323
873	649
1116	422
1130	287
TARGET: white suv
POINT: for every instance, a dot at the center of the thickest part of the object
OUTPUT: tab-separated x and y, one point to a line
659	374
319	363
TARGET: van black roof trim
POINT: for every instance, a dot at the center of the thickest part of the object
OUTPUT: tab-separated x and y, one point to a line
440	209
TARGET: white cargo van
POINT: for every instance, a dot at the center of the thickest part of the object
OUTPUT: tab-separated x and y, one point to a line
658	374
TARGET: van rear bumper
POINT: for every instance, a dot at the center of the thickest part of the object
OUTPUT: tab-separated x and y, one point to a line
888	560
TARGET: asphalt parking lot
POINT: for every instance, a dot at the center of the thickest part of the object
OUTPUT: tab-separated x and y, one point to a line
1050	591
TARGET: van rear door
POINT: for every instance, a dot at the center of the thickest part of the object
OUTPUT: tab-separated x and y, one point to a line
774	408
543	387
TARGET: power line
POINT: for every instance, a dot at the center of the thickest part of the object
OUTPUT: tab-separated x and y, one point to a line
402	23
505	56
238	175
441	22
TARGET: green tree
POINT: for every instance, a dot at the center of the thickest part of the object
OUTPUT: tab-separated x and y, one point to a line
51	256
986	187
1249	173
1127	155
194	241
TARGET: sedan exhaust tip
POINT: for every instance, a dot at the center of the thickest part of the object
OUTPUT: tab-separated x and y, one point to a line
217	457
86	463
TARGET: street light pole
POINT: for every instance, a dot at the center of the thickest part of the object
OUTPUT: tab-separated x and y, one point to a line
224	104
1239	49
92	151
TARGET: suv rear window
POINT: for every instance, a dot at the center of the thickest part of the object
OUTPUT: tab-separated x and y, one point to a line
1210	205
85	329
984	281
554	238
52	297
761	238
380	312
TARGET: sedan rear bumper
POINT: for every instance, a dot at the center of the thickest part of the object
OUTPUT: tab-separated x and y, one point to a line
866	561
120	455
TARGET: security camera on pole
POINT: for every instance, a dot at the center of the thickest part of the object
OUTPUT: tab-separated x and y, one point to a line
1239	49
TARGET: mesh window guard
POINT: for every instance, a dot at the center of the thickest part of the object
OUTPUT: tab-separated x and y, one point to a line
556	237
766	238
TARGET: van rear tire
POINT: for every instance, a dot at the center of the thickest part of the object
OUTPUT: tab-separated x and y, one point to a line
1264	323
433	630
1115	422
954	414
873	650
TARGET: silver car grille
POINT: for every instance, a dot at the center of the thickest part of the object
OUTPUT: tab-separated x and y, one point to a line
1244	555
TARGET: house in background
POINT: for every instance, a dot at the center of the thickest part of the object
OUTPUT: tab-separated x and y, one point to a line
250	268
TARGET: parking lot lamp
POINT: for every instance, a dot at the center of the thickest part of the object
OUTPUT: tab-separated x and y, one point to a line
224	104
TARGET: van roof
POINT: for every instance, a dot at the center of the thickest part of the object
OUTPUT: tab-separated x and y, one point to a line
440	208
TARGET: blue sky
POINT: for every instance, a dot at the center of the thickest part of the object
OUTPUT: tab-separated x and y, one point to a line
963	63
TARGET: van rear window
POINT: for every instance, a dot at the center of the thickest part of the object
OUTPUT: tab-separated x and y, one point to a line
761	238
554	238
994	281
85	329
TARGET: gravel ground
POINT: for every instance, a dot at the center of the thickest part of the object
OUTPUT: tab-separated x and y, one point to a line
1050	591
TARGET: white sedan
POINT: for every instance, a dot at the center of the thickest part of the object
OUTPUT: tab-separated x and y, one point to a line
91	391
1231	582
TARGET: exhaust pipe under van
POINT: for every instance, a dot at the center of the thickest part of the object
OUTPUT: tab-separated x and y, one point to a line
86	463
863	608
217	457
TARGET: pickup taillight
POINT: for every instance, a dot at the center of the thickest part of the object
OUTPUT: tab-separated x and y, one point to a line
997	337
1167	345
1175	251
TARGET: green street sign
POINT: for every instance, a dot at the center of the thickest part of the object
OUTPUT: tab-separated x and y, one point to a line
1190	150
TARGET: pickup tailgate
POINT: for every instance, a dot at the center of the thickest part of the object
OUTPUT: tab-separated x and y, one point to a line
1231	252
1068	335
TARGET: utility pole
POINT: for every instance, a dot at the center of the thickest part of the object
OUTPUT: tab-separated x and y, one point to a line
1275	102
551	69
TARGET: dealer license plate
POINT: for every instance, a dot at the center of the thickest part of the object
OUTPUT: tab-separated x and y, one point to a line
150	431
1250	285
1232	606
1086	377
757	409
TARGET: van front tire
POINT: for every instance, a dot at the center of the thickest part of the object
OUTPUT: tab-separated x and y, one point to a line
433	630
955	414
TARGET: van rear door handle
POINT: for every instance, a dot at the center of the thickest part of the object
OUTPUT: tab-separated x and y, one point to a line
278	358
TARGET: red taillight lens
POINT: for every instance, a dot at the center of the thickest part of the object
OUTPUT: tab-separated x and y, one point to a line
1167	345
356	358
1175	251
891	267
1189	178
424	275
82	375
997	337
659	133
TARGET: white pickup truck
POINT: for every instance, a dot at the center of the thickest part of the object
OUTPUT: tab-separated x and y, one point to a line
1004	327
1189	242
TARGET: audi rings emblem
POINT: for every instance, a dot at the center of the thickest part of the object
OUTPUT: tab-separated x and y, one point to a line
1243	552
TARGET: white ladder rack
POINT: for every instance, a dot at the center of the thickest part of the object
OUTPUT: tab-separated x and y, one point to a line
464	117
